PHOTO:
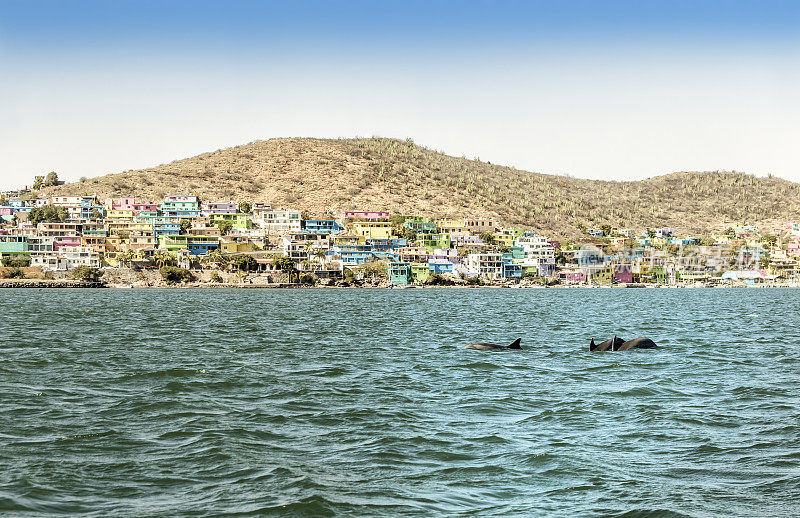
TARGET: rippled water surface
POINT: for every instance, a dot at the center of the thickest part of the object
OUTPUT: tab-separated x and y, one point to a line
364	402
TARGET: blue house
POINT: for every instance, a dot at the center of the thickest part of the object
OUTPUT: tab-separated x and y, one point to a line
165	229
354	254
322	226
440	266
511	270
202	247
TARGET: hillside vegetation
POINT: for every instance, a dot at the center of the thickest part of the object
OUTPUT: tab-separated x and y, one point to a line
320	175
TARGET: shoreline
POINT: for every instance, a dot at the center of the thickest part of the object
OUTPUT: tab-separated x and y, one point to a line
75	284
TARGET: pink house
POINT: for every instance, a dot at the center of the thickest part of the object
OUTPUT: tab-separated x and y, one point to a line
124	203
361	215
794	248
60	241
623	273
139	207
129	203
572	276
6	211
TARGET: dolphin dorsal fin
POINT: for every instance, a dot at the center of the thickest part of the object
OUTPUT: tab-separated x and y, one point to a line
592	346
614	343
515	344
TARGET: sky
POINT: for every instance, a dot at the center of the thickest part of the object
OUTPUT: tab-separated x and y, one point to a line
620	90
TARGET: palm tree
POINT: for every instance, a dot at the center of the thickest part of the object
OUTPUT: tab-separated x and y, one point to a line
162	258
126	257
319	255
309	251
215	256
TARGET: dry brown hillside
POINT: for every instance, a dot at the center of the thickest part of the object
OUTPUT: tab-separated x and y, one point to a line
318	175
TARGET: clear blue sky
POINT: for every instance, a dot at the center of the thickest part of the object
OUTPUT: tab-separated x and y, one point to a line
613	89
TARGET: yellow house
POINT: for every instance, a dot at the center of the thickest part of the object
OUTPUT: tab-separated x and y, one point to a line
373	229
504	239
507	237
345	240
235	248
120	225
119	214
451	226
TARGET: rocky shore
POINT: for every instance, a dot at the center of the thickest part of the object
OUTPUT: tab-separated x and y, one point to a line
48	283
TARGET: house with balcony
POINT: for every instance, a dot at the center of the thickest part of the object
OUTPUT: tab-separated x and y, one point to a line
364	215
507	236
487	265
277	221
79	207
353	255
66	258
481	225
386	245
399	273
13	244
322	226
236	219
373	230
412	254
180	206
452	226
196	245
218	207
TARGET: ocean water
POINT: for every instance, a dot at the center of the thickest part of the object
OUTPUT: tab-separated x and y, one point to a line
365	403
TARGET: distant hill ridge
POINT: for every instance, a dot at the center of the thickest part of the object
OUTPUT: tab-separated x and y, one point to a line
318	175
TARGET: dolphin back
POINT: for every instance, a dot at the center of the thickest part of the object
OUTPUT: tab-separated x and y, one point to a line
483	346
612	344
638	343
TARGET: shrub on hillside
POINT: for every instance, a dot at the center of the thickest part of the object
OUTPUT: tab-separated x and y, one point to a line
48	213
308	279
86	273
174	274
244	262
18	261
474	281
215	277
438	280
13	273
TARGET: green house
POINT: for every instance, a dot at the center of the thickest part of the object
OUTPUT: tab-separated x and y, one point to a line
238	219
432	241
420	272
419	227
13	245
197	245
410	218
517	252
399	273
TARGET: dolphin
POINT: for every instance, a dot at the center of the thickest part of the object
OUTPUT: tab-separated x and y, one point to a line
620	344
608	345
490	347
638	343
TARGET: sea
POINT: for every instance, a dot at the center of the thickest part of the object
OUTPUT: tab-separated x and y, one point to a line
350	402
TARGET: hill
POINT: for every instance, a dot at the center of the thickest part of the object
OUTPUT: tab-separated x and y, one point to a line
320	175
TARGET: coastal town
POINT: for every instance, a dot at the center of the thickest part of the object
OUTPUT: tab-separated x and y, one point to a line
184	240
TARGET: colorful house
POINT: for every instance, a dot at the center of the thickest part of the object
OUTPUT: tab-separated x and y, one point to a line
373	229
322	226
420	272
236	219
197	245
399	273
180	206
361	215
